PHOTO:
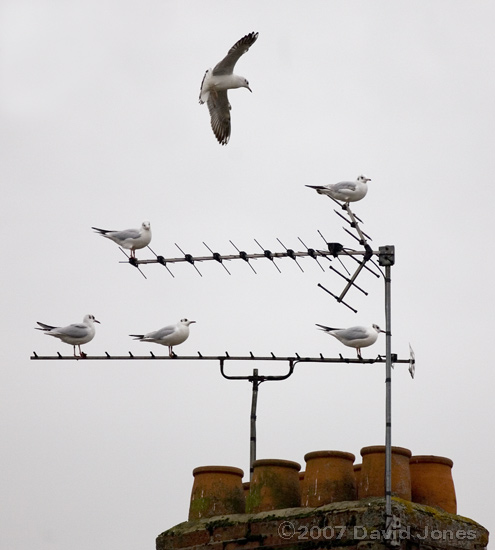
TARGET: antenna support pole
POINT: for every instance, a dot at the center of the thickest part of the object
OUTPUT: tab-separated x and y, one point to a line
256	380
254	403
386	258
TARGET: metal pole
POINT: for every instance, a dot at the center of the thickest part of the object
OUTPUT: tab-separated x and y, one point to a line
386	259
388	400
254	401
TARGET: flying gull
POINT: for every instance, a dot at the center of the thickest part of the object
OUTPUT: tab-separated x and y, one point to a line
216	82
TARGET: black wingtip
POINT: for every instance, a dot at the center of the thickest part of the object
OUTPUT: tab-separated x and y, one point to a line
324	327
102	232
251	37
245	41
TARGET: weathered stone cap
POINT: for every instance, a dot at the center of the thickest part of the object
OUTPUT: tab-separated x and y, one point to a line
356	524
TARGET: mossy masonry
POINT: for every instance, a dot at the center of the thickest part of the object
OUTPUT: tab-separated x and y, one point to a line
337	525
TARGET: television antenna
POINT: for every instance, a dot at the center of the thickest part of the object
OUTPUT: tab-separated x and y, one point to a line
377	262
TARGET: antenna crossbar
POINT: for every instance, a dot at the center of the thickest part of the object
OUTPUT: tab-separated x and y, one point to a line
247	256
199	357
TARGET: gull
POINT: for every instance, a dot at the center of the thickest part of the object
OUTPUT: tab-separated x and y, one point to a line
354	337
216	82
132	239
171	335
347	191
75	335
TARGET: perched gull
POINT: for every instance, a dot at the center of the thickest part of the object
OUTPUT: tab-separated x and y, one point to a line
75	335
132	239
216	82
347	191
171	335
354	337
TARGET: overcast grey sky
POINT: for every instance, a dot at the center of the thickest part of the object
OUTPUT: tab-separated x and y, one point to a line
101	126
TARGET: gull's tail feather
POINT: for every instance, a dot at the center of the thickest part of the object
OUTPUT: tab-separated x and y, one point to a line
102	231
43	326
137	336
324	327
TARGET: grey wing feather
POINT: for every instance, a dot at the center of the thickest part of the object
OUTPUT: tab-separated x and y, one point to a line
162	333
226	66
155	335
344	186
356	333
126	234
219	108
75	331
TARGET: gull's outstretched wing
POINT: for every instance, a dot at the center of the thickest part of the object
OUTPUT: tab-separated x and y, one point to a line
219	107
226	66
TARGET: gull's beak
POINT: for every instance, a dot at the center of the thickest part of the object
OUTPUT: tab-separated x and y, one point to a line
96	321
192	321
249	89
